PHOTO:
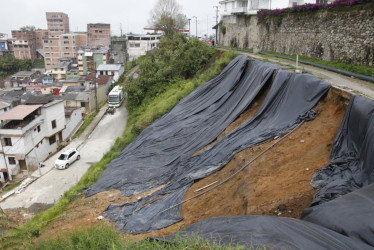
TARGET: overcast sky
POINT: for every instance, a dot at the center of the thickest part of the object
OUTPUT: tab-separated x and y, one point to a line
132	15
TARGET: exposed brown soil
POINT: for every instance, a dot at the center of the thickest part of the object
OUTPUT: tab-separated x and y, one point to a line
277	183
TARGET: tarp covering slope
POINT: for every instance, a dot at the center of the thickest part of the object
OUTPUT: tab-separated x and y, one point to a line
351	214
269	232
288	103
152	159
351	163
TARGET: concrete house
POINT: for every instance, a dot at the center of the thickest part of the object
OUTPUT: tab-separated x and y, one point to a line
60	69
74	118
114	70
101	80
29	133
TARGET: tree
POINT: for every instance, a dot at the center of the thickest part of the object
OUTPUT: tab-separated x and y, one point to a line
167	17
28	28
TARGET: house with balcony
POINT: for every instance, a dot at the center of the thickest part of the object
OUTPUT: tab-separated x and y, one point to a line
28	134
251	7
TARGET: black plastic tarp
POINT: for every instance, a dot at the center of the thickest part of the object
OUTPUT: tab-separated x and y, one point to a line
351	215
267	231
351	162
159	154
154	157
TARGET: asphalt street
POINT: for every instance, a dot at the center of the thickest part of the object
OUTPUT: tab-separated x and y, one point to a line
51	183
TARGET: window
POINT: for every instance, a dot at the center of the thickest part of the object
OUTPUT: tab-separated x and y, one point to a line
38	128
83	104
52	139
7	141
53	124
12	160
66	42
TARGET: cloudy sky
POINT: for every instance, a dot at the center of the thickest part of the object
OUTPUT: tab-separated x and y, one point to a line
131	15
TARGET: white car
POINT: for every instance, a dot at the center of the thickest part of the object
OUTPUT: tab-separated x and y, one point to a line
67	158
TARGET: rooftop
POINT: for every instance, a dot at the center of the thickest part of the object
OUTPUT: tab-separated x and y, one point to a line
109	67
19	112
101	79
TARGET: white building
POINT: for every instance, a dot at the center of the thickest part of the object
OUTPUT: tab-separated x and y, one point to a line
233	7
74	118
29	133
114	70
139	45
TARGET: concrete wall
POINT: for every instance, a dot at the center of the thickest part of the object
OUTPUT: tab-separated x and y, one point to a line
346	36
71	124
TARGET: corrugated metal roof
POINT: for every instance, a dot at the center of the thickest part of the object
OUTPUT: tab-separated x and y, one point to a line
19	112
109	67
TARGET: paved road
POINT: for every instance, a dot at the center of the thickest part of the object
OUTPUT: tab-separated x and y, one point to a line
353	85
53	183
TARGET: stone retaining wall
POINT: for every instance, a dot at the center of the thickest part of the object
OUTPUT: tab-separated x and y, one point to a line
346	36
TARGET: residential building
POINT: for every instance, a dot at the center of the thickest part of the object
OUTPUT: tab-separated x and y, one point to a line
58	23
114	70
74	118
4	107
29	134
98	34
237	7
41	34
24	44
90	58
60	69
102	80
139	45
63	46
119	50
4	46
85	100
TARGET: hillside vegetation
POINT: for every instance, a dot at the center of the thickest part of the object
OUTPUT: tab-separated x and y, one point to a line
165	77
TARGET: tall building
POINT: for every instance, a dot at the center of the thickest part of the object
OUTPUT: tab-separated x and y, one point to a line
41	34
58	23
63	46
98	34
24	44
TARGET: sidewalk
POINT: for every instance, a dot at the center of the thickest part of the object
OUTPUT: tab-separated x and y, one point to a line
76	143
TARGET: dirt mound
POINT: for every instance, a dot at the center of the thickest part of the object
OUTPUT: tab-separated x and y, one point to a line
276	184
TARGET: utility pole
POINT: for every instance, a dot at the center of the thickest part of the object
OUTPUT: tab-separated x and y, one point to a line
216	25
196	24
189	27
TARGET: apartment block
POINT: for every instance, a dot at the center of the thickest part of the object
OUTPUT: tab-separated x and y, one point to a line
58	23
98	34
90	58
63	46
24	44
40	35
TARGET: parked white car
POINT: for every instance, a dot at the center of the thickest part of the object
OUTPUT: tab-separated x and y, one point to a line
67	158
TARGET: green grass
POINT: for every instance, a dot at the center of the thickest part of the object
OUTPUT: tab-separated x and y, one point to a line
359	69
11	186
87	121
104	237
139	119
